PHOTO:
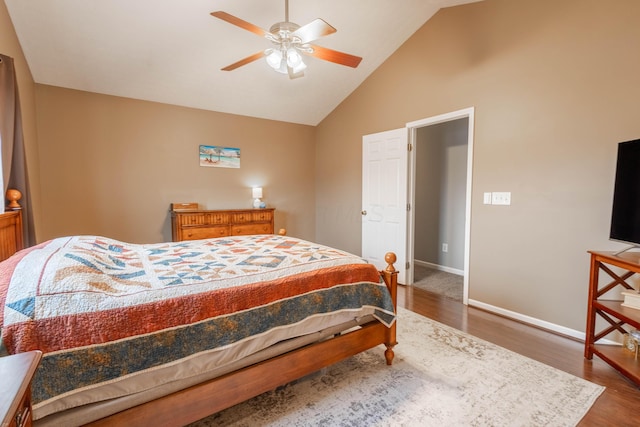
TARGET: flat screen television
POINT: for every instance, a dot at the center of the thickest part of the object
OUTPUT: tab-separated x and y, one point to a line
625	214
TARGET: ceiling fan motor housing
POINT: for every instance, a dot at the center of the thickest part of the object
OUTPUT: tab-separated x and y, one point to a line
283	31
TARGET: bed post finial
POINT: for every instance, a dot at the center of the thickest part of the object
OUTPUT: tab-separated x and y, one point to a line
390	258
13	196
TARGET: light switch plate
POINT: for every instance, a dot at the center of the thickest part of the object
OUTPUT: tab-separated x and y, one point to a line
501	198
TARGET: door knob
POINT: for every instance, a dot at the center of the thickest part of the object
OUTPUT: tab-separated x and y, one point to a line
363	213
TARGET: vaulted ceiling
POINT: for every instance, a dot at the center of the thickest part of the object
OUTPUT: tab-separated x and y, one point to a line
172	51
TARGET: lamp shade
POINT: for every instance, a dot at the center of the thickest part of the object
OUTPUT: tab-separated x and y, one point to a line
256	192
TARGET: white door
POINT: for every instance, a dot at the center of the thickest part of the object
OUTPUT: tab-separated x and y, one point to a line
384	198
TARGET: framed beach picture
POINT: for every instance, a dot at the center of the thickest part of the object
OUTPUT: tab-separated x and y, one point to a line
214	156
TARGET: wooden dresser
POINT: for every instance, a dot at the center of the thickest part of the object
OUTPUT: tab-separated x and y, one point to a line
190	224
10	233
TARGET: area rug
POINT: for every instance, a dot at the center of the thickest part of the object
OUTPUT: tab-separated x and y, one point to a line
440	282
440	377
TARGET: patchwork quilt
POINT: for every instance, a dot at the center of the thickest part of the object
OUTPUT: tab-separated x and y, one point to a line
100	309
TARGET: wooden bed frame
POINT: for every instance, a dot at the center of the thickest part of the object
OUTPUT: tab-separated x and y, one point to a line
11	225
199	401
10	233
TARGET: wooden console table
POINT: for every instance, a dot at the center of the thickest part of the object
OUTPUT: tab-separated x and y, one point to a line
611	311
204	224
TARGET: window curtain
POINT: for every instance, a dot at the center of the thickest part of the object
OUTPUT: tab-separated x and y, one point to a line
14	165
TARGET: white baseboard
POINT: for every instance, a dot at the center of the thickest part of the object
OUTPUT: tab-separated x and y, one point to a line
552	327
531	320
439	267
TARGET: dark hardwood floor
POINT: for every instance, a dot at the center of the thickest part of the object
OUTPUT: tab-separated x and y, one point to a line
618	406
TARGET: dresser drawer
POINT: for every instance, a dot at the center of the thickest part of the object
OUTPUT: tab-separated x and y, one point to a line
265	216
186	219
245	229
216	218
197	233
241	217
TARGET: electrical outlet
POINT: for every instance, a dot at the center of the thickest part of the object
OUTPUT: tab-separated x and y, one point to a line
445	247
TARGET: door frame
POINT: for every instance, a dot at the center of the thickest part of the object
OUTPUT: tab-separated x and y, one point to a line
413	127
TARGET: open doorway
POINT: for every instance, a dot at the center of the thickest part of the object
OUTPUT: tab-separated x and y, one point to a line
440	194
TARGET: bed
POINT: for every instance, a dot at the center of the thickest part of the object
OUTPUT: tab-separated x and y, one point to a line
172	332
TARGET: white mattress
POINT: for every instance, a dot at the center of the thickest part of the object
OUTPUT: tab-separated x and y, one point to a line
92	403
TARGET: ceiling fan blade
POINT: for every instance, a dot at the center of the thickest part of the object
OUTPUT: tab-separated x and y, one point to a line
334	56
244	61
313	31
240	23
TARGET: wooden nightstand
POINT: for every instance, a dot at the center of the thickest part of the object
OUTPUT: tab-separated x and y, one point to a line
16	372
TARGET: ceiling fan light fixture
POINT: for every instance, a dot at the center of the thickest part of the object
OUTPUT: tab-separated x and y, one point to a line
299	68
282	60
293	57
294	60
274	58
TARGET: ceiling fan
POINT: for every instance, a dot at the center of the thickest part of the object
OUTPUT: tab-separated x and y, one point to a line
290	41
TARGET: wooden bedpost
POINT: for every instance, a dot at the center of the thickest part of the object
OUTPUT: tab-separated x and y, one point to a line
390	276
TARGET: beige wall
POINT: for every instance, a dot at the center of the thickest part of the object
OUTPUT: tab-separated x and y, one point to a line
10	46
112	166
555	86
